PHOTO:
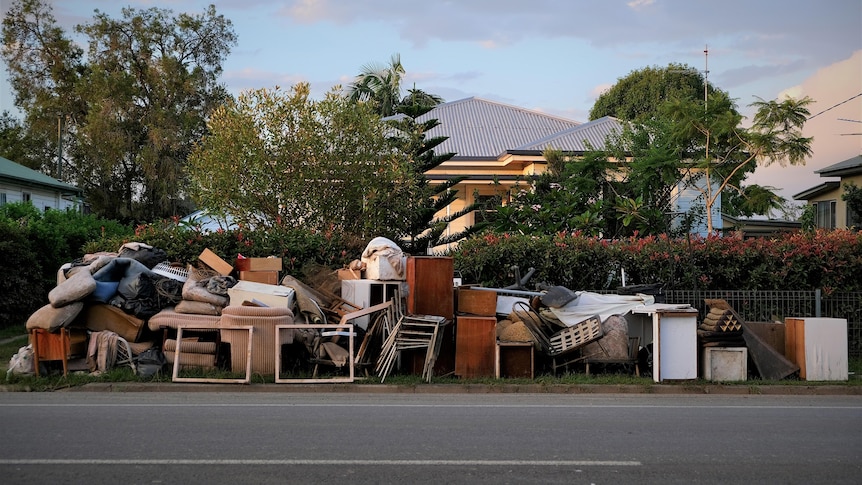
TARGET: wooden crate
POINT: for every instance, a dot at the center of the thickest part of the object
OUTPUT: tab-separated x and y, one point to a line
577	335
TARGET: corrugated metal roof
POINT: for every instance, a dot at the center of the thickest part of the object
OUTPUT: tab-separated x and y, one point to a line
851	166
580	138
482	129
19	173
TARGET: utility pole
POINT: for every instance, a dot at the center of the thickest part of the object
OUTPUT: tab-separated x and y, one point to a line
60	148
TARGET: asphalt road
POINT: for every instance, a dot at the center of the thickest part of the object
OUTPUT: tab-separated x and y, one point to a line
241	437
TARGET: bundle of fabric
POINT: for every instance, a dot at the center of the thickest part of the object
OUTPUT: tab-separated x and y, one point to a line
102	351
204	292
721	328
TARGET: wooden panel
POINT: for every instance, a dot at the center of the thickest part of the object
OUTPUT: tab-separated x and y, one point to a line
773	333
475	346
794	343
431	287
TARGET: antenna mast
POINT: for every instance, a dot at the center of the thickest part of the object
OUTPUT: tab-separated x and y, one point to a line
705	74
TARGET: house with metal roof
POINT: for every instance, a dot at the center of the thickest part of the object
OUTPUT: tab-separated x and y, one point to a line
497	146
830	209
21	184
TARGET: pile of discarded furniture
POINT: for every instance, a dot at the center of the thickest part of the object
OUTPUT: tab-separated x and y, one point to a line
387	313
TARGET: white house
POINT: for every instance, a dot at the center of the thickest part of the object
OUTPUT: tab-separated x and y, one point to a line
21	184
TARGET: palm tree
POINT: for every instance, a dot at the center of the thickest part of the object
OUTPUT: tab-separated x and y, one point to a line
380	85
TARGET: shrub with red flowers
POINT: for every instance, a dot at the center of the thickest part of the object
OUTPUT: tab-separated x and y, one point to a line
827	260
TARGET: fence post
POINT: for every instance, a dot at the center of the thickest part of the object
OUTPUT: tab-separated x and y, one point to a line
817	303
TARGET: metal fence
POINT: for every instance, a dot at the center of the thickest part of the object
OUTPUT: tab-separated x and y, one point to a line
770	306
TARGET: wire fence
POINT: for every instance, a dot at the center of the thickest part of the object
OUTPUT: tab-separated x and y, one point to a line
775	306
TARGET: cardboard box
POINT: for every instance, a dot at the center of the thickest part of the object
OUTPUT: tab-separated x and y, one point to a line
349	274
270	295
268	277
259	264
212	260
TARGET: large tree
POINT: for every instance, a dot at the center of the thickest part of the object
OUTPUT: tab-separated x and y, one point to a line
639	95
714	142
33	150
131	108
281	158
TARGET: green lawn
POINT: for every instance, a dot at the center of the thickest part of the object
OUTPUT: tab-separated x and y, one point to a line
14	338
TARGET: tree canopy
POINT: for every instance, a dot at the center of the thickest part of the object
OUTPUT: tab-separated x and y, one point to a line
281	158
132	107
714	142
639	95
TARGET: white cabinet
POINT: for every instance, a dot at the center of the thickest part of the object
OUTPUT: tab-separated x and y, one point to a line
674	332
365	293
818	346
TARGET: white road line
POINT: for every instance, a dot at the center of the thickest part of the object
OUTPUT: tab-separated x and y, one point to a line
543	463
471	406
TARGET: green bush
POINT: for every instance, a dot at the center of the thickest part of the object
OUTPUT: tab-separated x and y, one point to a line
297	247
34	245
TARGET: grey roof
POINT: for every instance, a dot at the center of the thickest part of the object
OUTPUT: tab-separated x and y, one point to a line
18	173
851	166
580	138
481	129
816	191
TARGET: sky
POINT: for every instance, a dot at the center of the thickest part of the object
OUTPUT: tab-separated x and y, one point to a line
553	56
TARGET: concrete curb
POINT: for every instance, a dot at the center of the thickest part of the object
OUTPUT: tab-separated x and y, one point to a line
664	389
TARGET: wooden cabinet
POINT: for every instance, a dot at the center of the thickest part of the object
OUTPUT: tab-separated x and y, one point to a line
61	345
475	346
431	287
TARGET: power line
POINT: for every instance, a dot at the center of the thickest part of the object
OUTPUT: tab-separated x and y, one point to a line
835	106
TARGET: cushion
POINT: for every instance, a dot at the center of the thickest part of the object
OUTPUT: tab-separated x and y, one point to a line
168	318
197	307
52	318
105	290
75	288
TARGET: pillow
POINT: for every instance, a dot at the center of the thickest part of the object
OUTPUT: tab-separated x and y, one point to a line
51	318
105	290
76	288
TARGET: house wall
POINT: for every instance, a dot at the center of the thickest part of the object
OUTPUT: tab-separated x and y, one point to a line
835	195
40	198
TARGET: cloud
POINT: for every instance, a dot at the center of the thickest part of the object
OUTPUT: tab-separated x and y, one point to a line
834	90
638	4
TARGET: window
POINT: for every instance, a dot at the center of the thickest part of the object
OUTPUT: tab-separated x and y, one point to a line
25	196
2	198
825	217
488	209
